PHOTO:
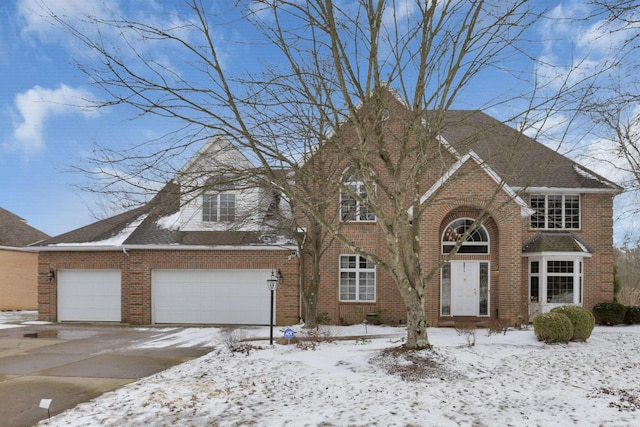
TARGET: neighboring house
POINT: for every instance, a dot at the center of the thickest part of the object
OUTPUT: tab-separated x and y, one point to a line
202	250
18	267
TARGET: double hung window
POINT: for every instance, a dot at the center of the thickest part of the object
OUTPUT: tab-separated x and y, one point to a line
357	279
218	207
354	198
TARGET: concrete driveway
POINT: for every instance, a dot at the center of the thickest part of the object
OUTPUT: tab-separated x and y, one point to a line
74	363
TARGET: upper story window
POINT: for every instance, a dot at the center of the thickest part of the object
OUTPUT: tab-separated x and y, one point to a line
354	198
476	243
555	211
219	207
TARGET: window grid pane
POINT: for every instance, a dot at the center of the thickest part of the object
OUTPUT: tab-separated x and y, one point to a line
357	279
354	208
209	208
571	212
560	289
227	207
559	266
539	216
476	243
555	211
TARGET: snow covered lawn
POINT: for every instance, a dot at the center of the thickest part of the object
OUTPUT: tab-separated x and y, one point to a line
509	379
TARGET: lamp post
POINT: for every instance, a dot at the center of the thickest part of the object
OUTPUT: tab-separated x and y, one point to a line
272	284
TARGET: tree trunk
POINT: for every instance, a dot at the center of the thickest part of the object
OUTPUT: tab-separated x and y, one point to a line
416	323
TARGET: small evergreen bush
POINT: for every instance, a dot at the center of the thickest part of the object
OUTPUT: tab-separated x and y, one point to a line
609	313
582	320
632	316
552	327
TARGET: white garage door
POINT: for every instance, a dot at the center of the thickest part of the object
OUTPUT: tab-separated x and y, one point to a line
89	295
211	296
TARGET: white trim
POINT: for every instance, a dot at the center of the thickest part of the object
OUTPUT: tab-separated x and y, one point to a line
357	270
451	291
543	274
442	140
71	248
564	190
466	243
558	254
18	249
525	210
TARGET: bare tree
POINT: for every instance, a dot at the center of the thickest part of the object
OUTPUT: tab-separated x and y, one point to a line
319	99
612	104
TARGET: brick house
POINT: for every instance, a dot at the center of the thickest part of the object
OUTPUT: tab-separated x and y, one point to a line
18	266
546	241
200	252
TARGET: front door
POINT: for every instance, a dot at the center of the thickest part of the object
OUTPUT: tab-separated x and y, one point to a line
464	286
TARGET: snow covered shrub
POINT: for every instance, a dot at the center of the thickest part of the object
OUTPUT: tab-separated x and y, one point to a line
468	331
582	320
552	327
609	313
234	340
632	316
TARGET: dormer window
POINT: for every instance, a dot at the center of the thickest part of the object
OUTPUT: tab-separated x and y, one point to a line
354	198
219	206
555	211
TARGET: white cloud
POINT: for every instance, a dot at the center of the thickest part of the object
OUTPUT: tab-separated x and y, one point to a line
38	104
398	11
37	19
85	15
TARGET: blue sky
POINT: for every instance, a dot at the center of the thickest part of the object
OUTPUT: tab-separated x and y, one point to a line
47	128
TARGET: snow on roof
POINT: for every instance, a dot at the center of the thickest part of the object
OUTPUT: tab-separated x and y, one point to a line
169	222
116	240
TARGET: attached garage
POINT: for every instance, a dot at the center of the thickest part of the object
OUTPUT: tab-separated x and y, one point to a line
89	296
210	296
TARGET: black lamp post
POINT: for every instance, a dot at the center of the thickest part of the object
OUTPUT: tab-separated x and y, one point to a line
272	284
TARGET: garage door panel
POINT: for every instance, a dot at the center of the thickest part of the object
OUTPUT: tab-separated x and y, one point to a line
211	296
89	295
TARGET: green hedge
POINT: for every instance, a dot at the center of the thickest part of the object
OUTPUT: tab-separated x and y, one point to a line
582	320
609	313
632	316
552	327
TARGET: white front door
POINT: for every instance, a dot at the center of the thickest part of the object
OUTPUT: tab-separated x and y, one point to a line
465	277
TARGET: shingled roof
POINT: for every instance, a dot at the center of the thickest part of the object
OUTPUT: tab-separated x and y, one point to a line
555	242
143	226
15	232
520	160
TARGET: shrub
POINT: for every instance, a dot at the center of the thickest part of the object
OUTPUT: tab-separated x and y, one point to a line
468	331
552	327
632	316
582	320
609	313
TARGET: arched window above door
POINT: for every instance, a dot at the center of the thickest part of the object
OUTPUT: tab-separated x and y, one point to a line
476	243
